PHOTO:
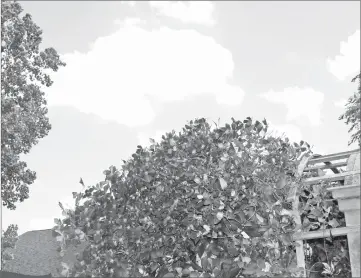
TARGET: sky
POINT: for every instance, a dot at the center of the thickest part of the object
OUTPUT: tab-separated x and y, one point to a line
136	70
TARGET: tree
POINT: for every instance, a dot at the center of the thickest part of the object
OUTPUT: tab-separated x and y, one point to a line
24	72
8	241
353	113
200	203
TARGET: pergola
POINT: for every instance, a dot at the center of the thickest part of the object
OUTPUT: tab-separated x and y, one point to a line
346	192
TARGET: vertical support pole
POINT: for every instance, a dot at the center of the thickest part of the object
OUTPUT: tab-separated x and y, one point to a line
293	197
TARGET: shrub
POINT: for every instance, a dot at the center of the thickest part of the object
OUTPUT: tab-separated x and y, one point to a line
9	237
202	203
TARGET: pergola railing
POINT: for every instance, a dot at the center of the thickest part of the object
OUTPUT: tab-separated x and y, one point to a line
347	193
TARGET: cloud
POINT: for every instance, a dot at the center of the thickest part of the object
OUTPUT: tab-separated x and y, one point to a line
198	12
299	102
130	21
113	78
293	58
130	3
347	63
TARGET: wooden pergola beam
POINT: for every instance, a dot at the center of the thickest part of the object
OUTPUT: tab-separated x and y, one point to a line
325	233
335	177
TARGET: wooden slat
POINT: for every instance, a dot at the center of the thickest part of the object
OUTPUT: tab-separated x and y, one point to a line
293	197
302	164
300	257
325	233
334	156
326	166
335	177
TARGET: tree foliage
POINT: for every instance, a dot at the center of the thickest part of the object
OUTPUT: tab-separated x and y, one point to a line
352	114
9	237
24	71
202	203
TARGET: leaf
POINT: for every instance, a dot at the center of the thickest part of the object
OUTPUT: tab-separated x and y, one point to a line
219	215
207	228
281	182
97	238
207	202
286	212
202	248
204	262
333	223
286	239
316	212
223	183
197	180
172	142
260	218
244	235
57	221
61	206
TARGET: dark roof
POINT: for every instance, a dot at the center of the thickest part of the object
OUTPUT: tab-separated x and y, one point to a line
36	253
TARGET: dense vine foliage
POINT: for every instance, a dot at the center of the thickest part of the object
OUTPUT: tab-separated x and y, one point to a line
318	209
202	203
325	257
328	257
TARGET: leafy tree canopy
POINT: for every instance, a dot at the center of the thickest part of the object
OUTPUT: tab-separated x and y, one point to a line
24	71
8	241
353	113
202	203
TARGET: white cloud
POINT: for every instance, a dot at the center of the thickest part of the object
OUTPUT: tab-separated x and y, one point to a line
347	63
299	102
130	21
198	12
112	79
230	95
293	58
130	3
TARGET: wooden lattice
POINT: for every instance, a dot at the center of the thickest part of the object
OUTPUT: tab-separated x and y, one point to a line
347	192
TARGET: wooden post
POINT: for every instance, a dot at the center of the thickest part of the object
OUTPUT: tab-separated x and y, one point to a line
293	197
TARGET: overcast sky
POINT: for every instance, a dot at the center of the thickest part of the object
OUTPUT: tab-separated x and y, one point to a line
136	70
